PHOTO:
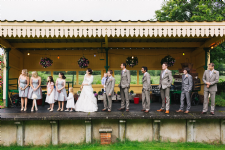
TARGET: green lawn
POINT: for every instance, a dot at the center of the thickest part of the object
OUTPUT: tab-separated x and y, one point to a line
126	146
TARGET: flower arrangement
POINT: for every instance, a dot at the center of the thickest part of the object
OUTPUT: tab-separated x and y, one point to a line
132	61
46	62
170	60
83	62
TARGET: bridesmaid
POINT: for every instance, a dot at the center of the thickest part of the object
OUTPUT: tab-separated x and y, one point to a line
60	94
23	83
50	93
35	89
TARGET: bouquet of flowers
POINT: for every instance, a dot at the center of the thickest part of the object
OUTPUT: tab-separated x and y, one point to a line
170	60
132	61
83	62
46	62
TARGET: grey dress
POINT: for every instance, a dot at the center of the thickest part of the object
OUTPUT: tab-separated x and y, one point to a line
23	84
38	92
62	96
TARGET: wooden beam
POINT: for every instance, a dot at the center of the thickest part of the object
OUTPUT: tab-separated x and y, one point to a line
5	43
110	44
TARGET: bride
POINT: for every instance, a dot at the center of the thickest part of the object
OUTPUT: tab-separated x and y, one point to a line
87	102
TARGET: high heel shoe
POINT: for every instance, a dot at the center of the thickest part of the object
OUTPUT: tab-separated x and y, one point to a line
36	109
21	109
51	110
25	109
61	110
58	109
32	109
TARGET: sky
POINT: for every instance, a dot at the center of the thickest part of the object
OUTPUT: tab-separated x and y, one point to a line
78	9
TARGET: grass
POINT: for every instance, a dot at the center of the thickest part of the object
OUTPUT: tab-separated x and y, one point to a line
135	145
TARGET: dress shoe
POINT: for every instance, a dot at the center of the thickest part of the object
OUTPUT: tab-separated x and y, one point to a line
161	110
127	110
143	110
186	112
103	109
121	109
179	110
212	113
146	111
203	113
109	110
167	112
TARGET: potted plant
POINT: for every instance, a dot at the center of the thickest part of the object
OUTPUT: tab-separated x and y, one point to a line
100	95
132	95
114	96
118	97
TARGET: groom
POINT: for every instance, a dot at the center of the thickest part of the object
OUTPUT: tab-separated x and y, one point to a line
124	87
109	88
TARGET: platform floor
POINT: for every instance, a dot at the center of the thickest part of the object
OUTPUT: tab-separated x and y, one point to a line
135	113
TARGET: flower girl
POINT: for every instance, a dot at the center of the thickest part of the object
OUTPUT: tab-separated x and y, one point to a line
70	100
50	93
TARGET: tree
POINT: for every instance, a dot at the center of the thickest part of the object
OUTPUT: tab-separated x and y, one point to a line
183	10
193	10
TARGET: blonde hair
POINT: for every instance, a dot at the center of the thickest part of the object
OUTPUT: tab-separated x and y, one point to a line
34	74
71	89
25	72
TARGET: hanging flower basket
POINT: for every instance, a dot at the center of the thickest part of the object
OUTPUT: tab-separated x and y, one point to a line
46	62
170	60
132	61
83	62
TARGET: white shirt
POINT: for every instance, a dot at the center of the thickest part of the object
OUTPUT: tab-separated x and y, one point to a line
210	73
164	72
124	70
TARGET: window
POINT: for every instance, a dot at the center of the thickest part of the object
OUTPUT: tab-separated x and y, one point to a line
43	74
155	75
96	74
117	76
70	77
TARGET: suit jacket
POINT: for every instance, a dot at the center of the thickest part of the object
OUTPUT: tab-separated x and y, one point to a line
146	81
213	80
125	79
187	83
166	81
110	84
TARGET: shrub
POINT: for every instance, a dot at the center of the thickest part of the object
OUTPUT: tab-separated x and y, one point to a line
219	100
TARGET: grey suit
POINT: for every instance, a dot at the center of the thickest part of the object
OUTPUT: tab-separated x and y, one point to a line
146	80
187	84
164	86
213	80
109	89
124	88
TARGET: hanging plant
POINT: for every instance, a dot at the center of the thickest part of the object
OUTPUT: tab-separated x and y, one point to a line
46	62
132	61
169	59
83	62
2	61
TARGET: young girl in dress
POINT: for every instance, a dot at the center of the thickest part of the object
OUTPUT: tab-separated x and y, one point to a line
23	83
60	94
70	100
50	93
35	91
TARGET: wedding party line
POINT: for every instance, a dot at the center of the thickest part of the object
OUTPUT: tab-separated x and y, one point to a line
87	102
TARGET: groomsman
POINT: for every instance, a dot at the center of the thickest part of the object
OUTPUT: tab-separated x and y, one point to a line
124	87
186	91
146	81
165	82
210	79
109	87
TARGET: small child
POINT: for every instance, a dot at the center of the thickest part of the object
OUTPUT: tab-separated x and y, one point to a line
104	80
50	93
70	100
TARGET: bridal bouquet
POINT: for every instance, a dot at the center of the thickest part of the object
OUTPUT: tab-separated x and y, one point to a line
83	62
34	96
132	61
169	59
46	62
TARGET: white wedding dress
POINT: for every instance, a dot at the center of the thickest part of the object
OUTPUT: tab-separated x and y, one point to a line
87	102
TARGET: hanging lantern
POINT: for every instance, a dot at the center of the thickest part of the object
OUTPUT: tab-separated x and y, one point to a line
58	57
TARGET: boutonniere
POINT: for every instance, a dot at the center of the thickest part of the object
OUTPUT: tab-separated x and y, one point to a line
186	75
214	72
166	72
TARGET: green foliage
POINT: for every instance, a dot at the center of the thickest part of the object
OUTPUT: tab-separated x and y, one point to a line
118	92
183	10
131	91
100	93
217	56
219	100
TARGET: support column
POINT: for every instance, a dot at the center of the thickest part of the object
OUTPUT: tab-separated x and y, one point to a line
88	131
122	130
222	132
6	81
19	133
190	130
55	132
156	130
207	57
106	59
